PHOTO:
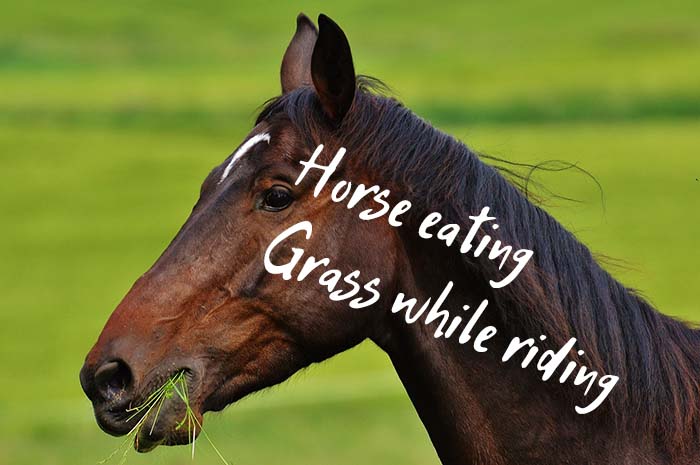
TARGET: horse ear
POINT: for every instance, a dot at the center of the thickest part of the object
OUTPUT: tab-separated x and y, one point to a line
296	64
332	70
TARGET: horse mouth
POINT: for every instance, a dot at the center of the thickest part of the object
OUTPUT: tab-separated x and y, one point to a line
163	415
171	429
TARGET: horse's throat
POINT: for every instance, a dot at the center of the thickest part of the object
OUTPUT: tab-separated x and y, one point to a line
446	396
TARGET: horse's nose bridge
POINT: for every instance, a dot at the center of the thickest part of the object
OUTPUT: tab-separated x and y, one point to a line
138	326
177	275
160	293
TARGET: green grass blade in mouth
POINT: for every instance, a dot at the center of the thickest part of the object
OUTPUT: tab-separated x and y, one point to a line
180	387
175	385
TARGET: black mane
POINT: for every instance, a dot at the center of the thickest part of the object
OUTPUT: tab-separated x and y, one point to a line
562	293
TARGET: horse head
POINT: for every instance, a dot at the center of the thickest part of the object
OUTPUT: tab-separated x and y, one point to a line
208	309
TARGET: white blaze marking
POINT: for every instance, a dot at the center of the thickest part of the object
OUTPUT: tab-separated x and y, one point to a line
242	150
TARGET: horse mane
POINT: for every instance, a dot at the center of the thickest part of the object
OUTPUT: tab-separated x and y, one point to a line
562	293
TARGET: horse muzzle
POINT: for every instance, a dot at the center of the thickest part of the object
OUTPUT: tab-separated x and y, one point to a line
156	412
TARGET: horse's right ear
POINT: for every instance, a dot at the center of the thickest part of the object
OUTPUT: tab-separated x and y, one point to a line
296	64
332	70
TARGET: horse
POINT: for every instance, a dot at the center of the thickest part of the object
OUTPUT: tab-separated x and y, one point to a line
209	309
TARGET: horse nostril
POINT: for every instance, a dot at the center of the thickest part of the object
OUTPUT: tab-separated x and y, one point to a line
113	379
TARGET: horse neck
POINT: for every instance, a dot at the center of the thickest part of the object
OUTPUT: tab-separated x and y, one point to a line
480	410
476	409
564	293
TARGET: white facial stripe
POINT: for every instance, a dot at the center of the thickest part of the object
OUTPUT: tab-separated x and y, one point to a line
242	150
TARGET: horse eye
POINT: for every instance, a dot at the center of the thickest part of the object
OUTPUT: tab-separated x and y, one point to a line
277	198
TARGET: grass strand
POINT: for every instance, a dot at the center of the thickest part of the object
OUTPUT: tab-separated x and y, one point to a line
175	385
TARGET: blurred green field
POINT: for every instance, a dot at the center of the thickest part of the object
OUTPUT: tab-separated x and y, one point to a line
111	114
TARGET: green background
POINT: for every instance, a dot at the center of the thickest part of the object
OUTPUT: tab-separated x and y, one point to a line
112	113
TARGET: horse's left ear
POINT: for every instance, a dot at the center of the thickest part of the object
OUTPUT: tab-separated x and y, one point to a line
296	64
332	70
